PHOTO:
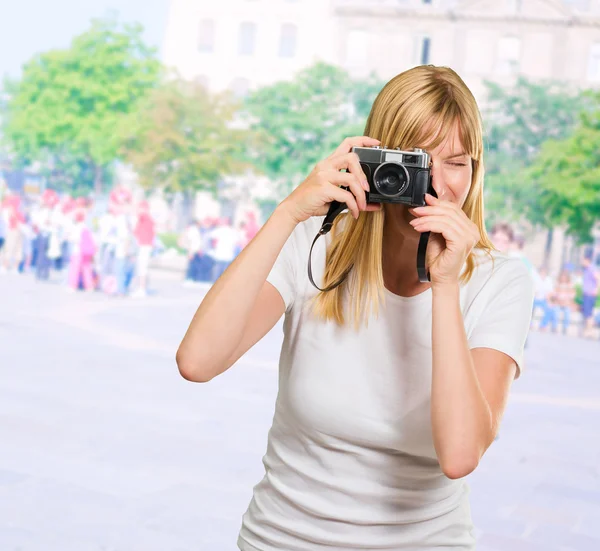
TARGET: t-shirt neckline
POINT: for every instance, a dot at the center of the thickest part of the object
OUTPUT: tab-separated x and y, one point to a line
424	295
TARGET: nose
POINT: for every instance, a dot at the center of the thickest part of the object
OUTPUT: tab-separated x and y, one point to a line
438	181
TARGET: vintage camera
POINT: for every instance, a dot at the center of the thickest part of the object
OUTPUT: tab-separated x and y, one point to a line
396	176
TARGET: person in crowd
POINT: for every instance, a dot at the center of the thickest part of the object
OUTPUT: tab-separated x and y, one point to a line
13	245
144	234
125	248
517	250
591	283
502	237
544	287
2	230
391	389
191	241
28	233
107	238
226	240
560	304
81	262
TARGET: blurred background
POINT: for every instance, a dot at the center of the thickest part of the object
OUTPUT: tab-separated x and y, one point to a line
142	146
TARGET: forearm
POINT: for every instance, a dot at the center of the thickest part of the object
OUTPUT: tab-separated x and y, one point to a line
218	325
461	417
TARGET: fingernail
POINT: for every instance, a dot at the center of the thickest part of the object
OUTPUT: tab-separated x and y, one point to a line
365	185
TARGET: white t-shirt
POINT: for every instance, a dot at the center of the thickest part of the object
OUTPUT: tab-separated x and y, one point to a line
193	239
544	286
226	240
350	461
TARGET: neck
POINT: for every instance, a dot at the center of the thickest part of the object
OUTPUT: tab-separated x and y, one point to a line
399	261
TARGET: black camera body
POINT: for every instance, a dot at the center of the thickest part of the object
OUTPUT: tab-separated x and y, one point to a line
396	176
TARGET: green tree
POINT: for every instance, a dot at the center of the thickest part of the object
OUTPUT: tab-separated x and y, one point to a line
567	175
72	108
185	138
299	122
519	120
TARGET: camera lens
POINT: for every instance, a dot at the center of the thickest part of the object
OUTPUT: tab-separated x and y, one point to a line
390	179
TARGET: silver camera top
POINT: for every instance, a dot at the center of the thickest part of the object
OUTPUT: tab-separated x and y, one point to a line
413	157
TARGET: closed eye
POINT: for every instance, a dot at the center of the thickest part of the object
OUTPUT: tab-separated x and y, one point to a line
457	164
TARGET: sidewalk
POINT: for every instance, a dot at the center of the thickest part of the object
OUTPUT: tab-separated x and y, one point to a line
106	447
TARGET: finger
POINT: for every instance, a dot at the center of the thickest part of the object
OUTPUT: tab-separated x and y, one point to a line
441	225
446	209
336	193
355	141
347	179
432	200
350	162
373	207
440	210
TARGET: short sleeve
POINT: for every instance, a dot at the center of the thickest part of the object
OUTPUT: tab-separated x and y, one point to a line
283	275
504	321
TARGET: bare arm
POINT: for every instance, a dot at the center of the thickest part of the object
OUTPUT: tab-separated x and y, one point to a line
212	342
241	307
469	388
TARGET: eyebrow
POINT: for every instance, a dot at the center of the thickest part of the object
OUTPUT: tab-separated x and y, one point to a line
461	154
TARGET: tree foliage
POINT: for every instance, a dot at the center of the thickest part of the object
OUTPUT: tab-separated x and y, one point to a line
299	122
72	107
519	120
567	175
185	138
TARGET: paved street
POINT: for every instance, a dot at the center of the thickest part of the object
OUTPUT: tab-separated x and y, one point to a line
104	447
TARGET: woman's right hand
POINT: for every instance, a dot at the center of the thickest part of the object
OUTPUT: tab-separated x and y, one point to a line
324	184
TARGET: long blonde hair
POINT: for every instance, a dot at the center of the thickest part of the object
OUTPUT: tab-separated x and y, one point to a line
419	106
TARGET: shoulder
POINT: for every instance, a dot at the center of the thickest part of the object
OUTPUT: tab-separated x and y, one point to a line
497	273
305	232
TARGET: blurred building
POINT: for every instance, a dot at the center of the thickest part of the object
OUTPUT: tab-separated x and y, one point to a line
240	44
243	44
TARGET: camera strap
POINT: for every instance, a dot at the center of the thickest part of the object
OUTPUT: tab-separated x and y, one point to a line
335	209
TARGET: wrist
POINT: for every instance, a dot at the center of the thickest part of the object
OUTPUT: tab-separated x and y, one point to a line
448	289
284	212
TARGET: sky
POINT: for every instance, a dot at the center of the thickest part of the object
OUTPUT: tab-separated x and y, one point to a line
28	27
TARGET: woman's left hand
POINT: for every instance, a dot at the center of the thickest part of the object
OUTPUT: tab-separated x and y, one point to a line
452	238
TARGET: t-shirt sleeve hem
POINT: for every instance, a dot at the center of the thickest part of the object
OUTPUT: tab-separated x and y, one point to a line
501	346
280	283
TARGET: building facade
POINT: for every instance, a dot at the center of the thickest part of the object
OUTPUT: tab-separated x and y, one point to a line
241	44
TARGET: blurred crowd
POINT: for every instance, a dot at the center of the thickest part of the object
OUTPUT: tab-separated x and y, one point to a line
108	250
211	244
62	235
565	302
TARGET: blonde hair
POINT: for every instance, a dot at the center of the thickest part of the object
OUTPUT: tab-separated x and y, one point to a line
417	107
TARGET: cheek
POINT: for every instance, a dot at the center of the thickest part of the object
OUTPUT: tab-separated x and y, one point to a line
460	183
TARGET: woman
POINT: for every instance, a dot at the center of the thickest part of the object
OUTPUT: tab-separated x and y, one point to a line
380	411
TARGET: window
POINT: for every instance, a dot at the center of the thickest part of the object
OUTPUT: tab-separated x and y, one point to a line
514	6
594	63
206	36
425	47
579	5
287	40
356	48
247	39
422	54
508	55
